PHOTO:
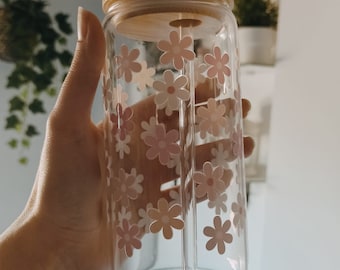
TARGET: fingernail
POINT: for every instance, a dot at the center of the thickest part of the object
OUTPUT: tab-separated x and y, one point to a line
81	25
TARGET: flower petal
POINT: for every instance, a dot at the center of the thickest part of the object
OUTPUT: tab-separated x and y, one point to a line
167	232
154	214
221	247
211	244
209	231
177	224
156	226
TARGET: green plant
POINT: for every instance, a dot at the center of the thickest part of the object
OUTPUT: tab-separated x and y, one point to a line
256	13
36	46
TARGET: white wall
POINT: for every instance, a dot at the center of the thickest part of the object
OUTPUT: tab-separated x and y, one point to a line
16	180
301	198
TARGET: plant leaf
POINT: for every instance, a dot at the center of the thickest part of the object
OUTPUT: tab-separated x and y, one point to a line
63	24
16	104
12	122
52	92
65	58
36	106
31	131
23	160
13	143
25	143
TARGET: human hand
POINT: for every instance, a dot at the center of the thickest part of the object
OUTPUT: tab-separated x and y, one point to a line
66	213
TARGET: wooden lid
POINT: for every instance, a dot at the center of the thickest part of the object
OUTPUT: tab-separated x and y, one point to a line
151	20
108	3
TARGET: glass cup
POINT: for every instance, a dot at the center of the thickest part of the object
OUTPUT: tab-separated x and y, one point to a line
173	135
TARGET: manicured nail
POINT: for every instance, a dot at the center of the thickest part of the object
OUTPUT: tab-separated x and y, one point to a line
81	25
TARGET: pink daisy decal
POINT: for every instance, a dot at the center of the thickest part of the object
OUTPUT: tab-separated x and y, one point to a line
219	204
119	97
211	118
126	63
218	65
107	92
145	221
144	77
238	104
171	92
122	146
176	50
126	187
209	182
221	156
128	237
122	121
164	218
148	127
219	235
162	144
239	209
236	138
124	214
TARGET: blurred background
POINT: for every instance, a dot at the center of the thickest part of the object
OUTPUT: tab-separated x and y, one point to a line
294	176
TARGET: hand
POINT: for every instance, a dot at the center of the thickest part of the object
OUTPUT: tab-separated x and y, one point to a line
64	223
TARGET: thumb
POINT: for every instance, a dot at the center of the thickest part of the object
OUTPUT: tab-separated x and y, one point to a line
73	105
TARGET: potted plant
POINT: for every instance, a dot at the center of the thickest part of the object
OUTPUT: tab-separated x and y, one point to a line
257	20
34	41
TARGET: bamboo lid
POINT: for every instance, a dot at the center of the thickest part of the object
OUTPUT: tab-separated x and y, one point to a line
152	20
107	3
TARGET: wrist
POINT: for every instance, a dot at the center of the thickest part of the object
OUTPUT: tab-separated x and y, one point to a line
27	245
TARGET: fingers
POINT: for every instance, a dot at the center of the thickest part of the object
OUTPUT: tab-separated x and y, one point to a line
75	100
146	108
248	145
246	106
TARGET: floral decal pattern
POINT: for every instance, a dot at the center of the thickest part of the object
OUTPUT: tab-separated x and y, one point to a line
128	237
209	182
220	156
218	65
238	208
122	145
144	78
219	204
171	92
219	235
212	119
127	187
176	50
127	63
165	218
162	145
120	97
122	121
236	138
145	221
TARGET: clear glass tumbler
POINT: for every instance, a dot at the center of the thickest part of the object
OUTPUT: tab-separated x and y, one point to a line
173	135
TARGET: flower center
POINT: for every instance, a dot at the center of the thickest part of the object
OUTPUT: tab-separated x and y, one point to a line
162	145
125	64
176	50
214	117
210	181
127	237
123	188
219	65
165	219
219	235
171	90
